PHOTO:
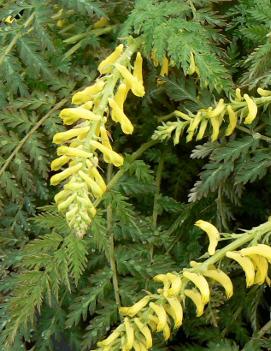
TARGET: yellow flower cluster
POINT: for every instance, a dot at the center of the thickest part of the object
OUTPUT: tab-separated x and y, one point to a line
164	311
254	262
239	109
80	146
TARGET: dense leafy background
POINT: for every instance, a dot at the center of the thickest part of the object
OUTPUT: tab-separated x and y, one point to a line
57	290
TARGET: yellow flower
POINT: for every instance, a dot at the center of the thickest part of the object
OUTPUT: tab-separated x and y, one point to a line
164	68
192	68
112	337
222	278
193	126
218	110
121	95
238	95
263	92
176	311
72	152
252	109
260	249
106	65
201	283
215	122
65	204
246	264
115	158
102	22
88	93
233	120
119	116
72	115
69	134
176	284
261	266
57	178
161	315
138	67
9	19
133	310
136	86
144	329
130	337
203	126
212	232
57	163
196	297
94	187
93	172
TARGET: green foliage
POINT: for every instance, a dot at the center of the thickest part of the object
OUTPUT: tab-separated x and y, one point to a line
57	290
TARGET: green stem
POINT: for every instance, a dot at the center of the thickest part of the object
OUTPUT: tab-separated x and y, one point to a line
111	246
254	135
14	40
29	134
156	197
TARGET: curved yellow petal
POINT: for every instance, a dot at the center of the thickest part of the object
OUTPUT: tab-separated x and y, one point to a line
176	311
106	65
260	249
201	283
252	109
222	278
138	306
144	329
176	284
264	92
161	314
196	297
129	334
246	265
212	232
233	120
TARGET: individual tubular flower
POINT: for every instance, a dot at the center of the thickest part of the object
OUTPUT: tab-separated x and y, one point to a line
164	67
261	268
161	315
192	67
88	93
175	310
72	115
133	310
196	297
246	265
252	109
138	68
106	65
264	92
202	129
233	120
201	283
119	116
145	331
221	278
81	145
260	249
175	284
212	232
193	126
218	110
135	84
